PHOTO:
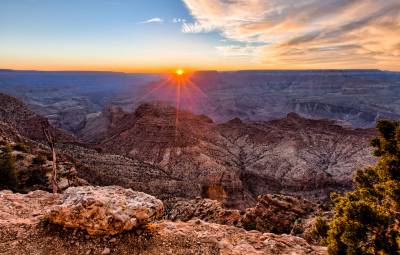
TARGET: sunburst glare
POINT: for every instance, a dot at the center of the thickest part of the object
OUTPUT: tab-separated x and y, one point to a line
180	84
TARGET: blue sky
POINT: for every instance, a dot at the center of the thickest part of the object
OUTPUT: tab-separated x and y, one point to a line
212	34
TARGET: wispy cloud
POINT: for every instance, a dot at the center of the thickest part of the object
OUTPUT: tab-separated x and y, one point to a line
152	20
197	27
303	33
175	20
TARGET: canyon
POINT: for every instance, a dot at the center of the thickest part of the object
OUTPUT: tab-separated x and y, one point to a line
355	96
176	155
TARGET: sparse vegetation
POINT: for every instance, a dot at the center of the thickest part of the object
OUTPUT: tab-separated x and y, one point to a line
8	170
45	154
37	177
3	142
21	147
39	160
320	229
325	207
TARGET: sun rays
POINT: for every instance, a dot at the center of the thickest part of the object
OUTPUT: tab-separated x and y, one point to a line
180	84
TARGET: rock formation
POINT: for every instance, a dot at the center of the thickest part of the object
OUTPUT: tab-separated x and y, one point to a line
104	210
283	214
228	189
277	214
23	228
17	114
294	155
207	210
94	123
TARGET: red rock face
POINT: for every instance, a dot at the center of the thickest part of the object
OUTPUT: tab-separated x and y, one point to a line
226	188
294	155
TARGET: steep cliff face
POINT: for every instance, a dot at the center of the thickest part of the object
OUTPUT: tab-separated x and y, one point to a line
236	161
17	114
90	128
227	188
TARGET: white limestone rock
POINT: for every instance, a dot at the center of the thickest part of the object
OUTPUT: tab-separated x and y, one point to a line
104	210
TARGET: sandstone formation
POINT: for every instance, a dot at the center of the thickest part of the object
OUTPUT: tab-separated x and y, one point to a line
170	153
17	209
111	169
17	114
23	230
277	214
94	123
294	155
283	214
207	210
228	189
104	210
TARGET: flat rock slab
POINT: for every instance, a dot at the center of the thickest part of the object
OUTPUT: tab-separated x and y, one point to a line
104	210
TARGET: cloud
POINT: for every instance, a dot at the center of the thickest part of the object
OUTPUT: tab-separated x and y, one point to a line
153	20
175	20
303	33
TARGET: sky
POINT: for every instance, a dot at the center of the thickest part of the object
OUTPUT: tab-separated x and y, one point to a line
223	35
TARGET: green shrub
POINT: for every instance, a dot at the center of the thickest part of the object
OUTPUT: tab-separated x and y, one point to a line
367	220
39	160
45	154
37	176
320	229
21	147
8	170
3	142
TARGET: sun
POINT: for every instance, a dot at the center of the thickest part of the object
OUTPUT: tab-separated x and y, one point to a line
180	72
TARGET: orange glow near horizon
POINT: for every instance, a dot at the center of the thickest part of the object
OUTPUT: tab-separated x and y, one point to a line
179	80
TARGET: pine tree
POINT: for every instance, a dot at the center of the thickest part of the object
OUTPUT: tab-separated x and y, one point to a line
367	220
8	170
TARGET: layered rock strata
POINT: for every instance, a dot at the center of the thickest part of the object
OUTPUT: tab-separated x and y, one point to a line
293	155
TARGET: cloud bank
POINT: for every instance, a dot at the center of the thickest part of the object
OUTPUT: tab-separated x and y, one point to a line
303	33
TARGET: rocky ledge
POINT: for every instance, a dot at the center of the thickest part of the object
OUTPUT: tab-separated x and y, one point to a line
24	229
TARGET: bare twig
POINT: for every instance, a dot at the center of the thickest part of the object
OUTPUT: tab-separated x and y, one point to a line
51	141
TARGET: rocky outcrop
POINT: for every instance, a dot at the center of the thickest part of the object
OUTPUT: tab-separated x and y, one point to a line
104	210
207	210
277	214
227	188
24	228
17	114
283	214
90	128
17	209
293	155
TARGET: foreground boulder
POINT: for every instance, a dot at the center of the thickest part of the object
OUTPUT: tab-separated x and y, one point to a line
104	210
